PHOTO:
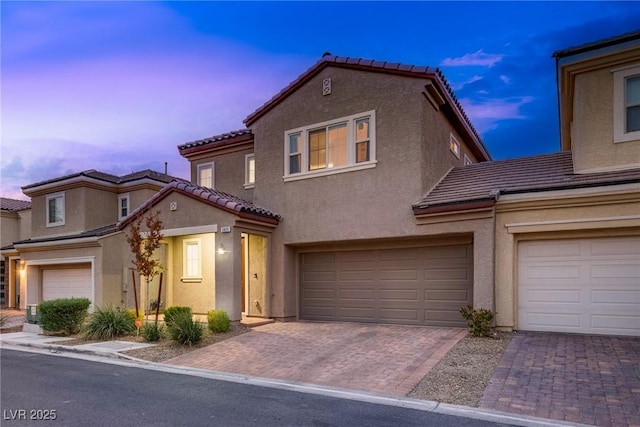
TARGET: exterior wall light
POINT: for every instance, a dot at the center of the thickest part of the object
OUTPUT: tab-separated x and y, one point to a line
221	250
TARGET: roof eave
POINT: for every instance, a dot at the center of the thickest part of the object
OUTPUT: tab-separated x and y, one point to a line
454	207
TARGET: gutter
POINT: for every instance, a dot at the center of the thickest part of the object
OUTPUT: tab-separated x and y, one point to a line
455	207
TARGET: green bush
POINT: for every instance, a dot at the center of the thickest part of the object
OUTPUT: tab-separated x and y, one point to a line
218	321
64	315
479	321
171	312
151	331
110	322
183	329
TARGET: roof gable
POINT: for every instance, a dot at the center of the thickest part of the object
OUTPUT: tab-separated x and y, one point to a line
215	198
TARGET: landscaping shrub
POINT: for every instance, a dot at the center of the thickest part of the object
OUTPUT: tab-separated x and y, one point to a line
151	331
110	322
64	315
183	329
171	312
479	321
218	321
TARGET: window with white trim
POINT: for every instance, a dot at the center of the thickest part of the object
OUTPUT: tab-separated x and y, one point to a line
55	210
123	206
454	145
206	175
467	160
340	145
626	104
249	170
192	260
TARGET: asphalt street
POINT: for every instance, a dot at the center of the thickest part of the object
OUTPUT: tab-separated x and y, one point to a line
41	389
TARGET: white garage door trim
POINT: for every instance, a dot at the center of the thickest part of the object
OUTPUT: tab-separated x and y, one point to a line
60	261
580	285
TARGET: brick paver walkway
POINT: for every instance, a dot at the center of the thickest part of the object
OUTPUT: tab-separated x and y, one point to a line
579	378
378	358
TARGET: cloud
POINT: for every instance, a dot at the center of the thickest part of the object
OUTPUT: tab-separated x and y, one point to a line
505	79
478	58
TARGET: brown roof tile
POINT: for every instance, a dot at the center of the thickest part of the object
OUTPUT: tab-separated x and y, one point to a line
113	179
219	199
598	44
13	205
227	138
485	181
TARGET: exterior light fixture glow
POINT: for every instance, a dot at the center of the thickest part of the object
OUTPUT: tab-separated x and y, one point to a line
221	250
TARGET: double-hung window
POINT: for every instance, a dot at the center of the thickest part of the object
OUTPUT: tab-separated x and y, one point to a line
249	170
336	146
206	175
55	210
626	107
192	260
123	206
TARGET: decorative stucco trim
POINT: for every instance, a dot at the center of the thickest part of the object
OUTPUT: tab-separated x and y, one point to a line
184	231
574	224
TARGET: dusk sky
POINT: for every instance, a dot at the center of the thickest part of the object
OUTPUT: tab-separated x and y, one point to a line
116	86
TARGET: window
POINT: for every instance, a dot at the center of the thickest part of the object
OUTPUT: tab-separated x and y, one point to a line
192	260
454	145
205	175
331	147
626	104
467	160
55	210
123	206
249	170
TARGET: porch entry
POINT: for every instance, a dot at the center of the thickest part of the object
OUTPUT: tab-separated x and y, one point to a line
253	274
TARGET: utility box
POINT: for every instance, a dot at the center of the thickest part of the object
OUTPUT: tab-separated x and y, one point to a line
33	314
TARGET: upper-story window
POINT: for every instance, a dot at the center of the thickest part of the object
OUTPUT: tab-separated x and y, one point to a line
123	206
626	104
249	170
467	160
205	175
55	209
454	145
335	146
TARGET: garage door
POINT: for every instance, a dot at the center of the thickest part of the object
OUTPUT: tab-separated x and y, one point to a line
583	286
415	286
66	283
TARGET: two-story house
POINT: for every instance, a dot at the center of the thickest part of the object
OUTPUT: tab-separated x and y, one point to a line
335	162
15	224
73	247
567	225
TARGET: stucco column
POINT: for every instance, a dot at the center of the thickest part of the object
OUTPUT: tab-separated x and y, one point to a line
228	274
483	268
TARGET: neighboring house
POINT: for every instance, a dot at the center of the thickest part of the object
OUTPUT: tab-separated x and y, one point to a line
15	224
567	225
73	248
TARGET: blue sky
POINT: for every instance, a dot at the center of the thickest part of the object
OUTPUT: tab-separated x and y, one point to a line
116	86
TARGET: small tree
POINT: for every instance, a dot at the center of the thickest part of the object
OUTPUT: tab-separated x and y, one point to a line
144	244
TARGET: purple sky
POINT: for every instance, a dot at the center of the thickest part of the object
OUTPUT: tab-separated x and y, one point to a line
117	86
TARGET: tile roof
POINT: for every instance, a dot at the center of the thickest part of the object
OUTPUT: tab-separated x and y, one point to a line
598	44
486	181
219	199
425	72
113	179
14	205
227	138
96	232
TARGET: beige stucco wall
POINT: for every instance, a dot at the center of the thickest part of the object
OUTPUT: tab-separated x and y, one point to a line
593	143
412	154
229	172
555	215
200	296
9	228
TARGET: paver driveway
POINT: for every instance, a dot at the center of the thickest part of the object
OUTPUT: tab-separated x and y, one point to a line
579	378
378	358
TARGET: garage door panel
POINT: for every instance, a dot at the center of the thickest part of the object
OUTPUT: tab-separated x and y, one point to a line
396	285
319	294
595	289
319	276
66	283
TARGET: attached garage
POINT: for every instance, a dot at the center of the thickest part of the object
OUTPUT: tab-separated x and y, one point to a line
413	286
582	286
67	283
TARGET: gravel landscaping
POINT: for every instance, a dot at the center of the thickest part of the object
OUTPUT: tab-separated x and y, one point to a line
462	375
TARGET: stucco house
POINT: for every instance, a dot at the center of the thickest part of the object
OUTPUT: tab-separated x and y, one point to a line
15	224
69	245
567	225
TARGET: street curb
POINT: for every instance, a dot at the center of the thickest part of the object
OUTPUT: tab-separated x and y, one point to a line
328	391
